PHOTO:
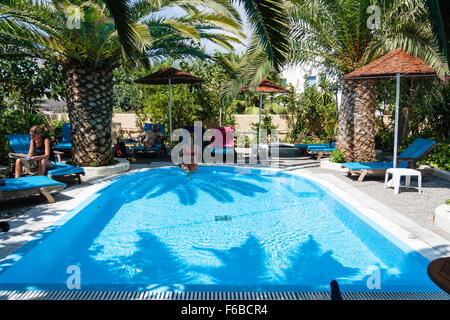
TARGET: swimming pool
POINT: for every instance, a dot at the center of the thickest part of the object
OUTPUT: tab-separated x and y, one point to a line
224	229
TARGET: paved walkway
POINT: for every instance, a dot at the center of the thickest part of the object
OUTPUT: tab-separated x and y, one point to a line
28	217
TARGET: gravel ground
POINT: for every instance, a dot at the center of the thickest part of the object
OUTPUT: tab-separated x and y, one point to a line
417	207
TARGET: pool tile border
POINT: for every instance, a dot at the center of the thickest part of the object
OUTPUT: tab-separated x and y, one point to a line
214	296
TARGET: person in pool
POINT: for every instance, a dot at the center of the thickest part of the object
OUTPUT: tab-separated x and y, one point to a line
40	153
191	152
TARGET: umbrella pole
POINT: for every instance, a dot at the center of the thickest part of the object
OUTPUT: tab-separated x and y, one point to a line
397	105
170	111
260	108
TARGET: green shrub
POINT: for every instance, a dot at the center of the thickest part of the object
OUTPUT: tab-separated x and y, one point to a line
56	129
439	157
384	141
337	156
94	163
447	202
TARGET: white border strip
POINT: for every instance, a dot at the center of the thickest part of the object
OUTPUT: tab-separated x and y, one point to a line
246	296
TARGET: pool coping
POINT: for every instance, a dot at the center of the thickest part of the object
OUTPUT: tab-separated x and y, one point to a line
424	241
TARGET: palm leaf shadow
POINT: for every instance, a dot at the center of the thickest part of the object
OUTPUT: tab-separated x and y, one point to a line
311	265
244	265
219	187
152	266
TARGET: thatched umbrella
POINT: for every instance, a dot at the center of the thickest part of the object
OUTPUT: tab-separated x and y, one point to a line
396	64
169	76
266	86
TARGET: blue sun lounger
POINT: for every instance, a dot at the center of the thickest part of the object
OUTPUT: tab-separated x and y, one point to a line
321	150
29	186
65	143
306	146
20	144
407	159
159	147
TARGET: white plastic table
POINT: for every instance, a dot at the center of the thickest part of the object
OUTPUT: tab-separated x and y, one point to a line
397	174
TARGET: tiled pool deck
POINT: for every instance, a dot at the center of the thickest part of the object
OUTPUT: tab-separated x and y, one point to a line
411	211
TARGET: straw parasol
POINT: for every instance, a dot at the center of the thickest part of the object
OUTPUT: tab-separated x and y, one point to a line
266	86
169	76
396	64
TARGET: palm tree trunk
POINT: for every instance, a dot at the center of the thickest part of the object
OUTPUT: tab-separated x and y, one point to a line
356	133
364	138
344	139
90	104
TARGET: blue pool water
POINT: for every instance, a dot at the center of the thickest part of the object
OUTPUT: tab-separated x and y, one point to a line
224	229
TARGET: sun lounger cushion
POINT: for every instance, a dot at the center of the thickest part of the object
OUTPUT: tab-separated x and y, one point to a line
65	143
26	183
20	143
305	146
312	145
61	169
63	146
417	148
374	165
161	128
222	150
155	148
321	149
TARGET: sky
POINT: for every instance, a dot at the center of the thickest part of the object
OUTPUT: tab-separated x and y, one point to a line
209	46
293	75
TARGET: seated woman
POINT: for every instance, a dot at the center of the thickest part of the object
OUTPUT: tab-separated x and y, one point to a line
40	153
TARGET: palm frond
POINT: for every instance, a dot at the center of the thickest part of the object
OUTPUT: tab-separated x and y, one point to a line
440	20
247	73
269	20
221	7
120	11
184	28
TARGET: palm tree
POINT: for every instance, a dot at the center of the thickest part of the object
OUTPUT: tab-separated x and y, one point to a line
440	20
91	38
334	34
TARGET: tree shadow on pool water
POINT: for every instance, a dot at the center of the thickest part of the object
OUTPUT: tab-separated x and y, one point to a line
309	264
239	265
152	266
246	265
221	188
